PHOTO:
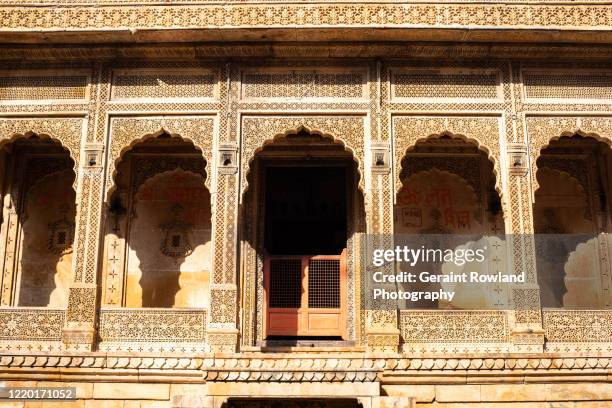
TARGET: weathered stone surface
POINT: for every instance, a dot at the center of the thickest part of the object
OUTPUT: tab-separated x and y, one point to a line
127	391
458	393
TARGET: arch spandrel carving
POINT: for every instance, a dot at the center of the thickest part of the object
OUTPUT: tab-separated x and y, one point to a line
542	130
259	131
66	131
127	132
482	131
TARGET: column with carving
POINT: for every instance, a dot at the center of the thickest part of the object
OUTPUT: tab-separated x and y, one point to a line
526	334
79	329
382	328
222	333
222	330
382	332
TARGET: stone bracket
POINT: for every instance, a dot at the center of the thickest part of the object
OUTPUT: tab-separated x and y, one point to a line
93	154
518	163
381	158
228	158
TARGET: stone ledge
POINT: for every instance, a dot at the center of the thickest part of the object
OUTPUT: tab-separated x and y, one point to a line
441	21
309	368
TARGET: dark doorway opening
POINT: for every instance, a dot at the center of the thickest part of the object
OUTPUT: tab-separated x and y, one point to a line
292	403
306	210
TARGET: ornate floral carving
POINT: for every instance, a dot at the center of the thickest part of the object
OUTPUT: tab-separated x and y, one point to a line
484	131
31	324
126	132
152	325
148	16
260	130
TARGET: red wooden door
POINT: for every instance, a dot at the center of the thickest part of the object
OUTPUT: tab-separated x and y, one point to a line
305	295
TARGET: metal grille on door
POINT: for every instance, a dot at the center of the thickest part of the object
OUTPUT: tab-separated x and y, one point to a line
305	295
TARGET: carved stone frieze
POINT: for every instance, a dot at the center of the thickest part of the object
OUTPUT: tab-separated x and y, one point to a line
238	14
304	368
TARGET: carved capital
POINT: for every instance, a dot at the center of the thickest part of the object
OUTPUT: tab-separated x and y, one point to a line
381	157
93	155
228	158
518	160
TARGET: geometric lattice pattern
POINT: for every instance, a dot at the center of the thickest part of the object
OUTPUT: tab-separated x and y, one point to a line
183	85
324	283
567	85
43	87
431	84
285	283
303	85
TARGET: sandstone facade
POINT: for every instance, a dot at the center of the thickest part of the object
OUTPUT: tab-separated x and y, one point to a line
136	140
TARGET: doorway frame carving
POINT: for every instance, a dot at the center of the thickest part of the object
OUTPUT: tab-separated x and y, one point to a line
256	132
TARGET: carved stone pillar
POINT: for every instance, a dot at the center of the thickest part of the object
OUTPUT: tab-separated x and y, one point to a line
79	329
222	330
382	333
527	334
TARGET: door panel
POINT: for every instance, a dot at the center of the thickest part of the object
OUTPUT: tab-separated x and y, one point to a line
305	295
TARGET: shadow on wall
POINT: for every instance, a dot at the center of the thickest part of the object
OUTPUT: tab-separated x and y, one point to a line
48	220
169	242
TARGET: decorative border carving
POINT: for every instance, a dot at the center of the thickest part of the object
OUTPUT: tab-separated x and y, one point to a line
541	130
128	131
302	368
215	16
153	330
484	131
257	131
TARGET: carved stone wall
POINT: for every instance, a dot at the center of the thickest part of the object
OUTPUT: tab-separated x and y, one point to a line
259	131
377	109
